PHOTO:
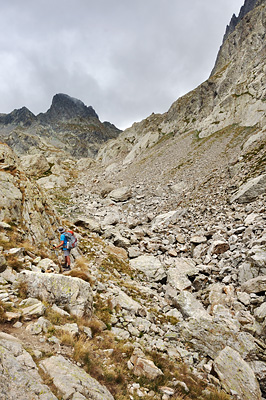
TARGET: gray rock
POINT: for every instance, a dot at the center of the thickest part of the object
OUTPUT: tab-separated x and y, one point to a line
20	379
190	307
150	266
74	294
34	164
255	285
78	382
40	326
121	194
89	223
209	337
236	375
250	190
141	366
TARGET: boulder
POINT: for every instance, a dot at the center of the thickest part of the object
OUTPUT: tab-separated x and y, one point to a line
255	285
121	299
236	375
141	366
52	182
47	264
8	159
88	223
209	337
10	199
177	276
34	164
165	219
219	247
74	294
40	326
250	190
78	382
190	307
150	266
120	194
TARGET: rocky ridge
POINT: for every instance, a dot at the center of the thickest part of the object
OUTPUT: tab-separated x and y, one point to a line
68	128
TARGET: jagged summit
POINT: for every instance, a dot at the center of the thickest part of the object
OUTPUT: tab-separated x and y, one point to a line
65	107
68	127
246	8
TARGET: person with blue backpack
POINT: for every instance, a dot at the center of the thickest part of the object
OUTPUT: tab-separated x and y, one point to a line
67	242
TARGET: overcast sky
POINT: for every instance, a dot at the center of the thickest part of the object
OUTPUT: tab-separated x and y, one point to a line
125	58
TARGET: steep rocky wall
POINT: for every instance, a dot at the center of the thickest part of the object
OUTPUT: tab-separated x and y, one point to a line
22	203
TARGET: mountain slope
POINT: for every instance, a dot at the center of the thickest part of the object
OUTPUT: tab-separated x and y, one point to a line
235	93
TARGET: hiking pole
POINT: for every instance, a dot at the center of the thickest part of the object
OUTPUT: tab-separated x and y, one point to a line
56	253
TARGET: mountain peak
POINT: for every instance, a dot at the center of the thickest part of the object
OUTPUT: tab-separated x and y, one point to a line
65	107
246	8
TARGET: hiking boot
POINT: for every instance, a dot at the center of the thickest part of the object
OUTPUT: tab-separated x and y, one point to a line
66	268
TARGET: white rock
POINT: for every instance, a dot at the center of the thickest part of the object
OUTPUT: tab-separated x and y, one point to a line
236	375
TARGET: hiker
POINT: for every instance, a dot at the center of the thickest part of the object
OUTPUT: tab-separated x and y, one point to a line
63	245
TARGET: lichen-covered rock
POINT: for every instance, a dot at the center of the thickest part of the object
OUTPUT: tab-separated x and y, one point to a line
71	380
236	375
74	294
19	377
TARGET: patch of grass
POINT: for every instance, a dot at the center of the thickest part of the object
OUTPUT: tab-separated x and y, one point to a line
22	289
2	311
217	395
112	262
97	325
14	262
75	273
55	318
66	338
103	310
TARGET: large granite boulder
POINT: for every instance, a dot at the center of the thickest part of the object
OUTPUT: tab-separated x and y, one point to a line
73	294
72	381
236	375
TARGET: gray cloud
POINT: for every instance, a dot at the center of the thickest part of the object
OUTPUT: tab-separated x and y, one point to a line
125	58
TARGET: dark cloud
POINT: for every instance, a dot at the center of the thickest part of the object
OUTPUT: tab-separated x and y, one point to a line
125	58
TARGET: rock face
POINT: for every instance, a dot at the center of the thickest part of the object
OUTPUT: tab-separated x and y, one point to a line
22	202
69	127
231	98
